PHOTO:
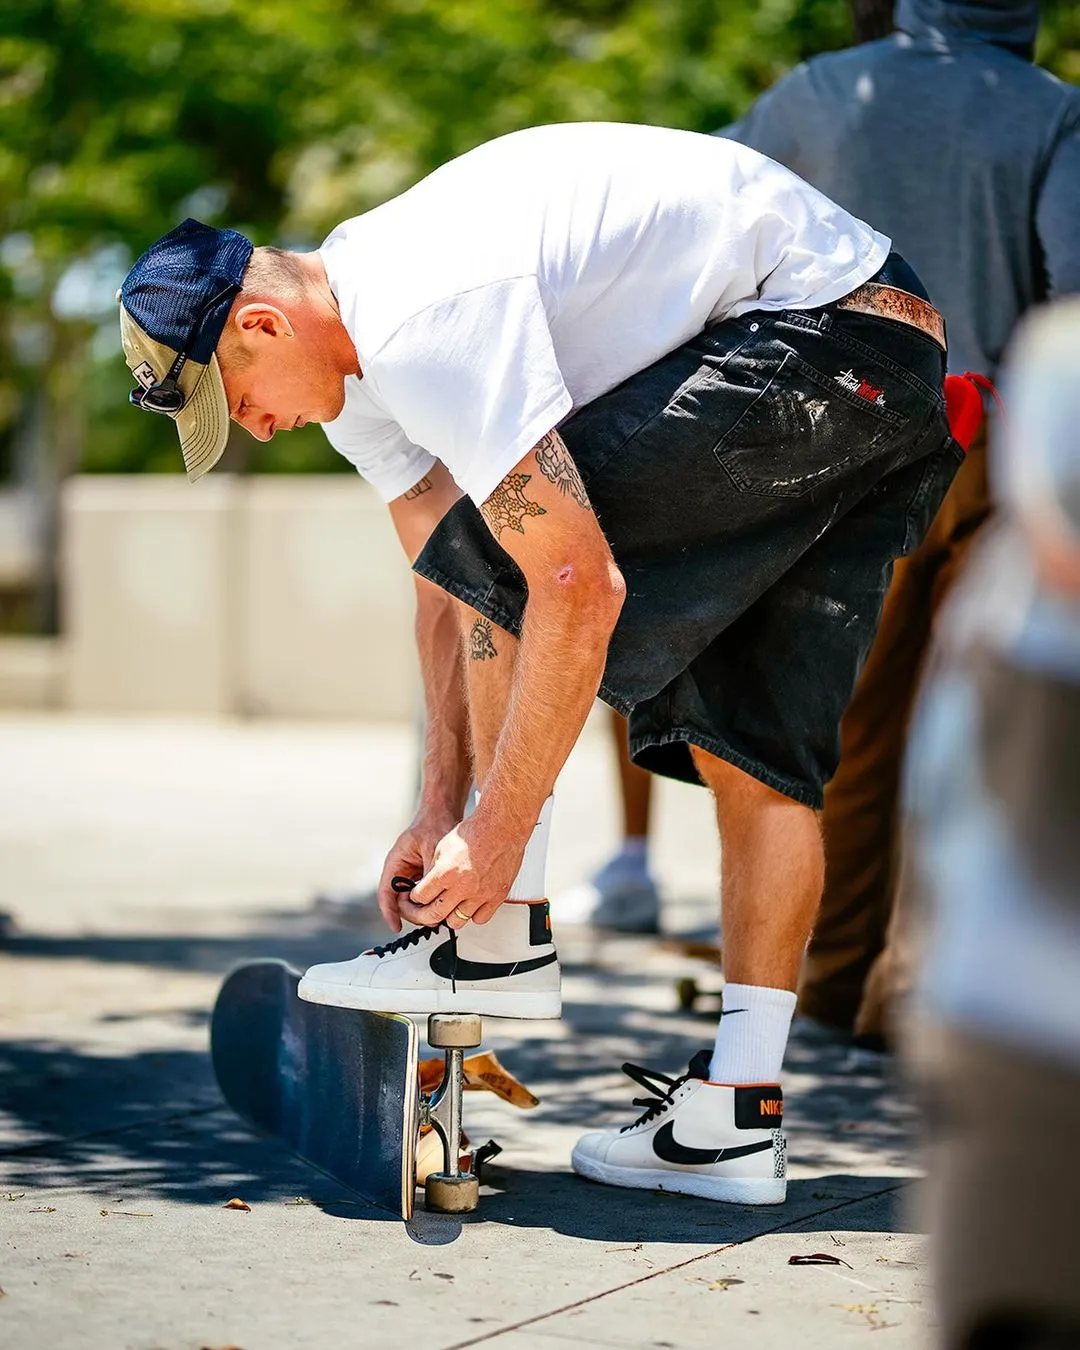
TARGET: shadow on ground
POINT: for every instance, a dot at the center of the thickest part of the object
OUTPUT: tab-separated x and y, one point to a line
301	938
151	1121
150	1126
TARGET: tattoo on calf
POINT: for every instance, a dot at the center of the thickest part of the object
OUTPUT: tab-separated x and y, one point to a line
508	505
480	644
557	467
418	489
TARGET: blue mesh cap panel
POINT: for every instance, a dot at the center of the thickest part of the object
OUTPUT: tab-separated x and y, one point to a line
181	289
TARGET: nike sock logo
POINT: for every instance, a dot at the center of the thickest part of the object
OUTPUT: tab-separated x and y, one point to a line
668	1149
442	961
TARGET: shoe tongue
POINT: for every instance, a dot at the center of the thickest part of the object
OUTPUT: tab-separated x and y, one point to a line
699	1065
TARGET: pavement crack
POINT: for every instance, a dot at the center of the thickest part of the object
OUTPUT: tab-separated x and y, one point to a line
668	1270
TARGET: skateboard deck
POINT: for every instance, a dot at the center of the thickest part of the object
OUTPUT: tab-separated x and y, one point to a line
338	1087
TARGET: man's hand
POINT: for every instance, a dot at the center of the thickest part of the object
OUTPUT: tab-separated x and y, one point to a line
447	771
412	856
470	875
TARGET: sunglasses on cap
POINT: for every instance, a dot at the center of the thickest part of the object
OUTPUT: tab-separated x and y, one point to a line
165	395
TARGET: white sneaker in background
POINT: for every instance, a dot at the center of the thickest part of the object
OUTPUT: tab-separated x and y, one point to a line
507	967
696	1137
621	896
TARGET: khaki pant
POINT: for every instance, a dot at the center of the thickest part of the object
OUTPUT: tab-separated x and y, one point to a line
856	963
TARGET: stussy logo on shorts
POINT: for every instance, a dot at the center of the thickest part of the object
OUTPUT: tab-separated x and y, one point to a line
849	380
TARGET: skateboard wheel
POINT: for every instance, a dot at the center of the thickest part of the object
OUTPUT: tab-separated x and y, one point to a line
448	1031
451	1195
687	992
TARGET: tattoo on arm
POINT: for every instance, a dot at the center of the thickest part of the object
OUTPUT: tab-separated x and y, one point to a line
418	489
557	467
508	505
481	646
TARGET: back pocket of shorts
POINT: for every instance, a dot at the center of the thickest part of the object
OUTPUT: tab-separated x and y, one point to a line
801	430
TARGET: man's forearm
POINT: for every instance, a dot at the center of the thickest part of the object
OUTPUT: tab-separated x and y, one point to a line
575	593
560	662
447	774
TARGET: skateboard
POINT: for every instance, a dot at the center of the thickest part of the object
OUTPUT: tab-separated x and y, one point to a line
341	1089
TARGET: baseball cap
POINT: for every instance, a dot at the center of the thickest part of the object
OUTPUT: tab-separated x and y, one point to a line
174	305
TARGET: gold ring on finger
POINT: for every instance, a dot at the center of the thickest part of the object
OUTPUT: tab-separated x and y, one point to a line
463	917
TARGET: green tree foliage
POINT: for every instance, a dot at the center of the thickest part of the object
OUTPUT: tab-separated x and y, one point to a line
117	119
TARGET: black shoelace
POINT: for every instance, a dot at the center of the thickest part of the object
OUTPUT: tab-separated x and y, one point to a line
402	885
660	1087
410	939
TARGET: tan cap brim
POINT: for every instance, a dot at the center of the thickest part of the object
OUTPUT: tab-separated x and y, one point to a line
203	423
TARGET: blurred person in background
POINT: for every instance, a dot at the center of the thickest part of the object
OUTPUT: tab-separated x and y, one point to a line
993	796
622	894
968	155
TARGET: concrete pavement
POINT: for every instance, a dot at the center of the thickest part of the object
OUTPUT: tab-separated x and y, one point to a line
140	859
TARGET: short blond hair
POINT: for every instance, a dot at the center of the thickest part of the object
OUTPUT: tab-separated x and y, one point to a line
272	274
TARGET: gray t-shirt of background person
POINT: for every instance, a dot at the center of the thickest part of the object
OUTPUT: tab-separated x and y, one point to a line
949	140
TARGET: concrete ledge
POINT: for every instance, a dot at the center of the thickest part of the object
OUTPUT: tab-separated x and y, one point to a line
276	596
31	672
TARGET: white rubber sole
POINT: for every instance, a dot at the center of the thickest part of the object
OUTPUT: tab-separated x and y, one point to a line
539	1006
732	1190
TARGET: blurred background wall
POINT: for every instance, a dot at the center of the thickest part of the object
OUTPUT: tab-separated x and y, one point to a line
276	588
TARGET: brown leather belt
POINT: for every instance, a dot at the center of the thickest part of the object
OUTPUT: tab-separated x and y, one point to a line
889	302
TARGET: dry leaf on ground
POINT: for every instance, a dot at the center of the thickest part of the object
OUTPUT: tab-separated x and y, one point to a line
818	1259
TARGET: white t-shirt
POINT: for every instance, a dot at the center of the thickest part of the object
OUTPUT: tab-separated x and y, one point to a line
538	271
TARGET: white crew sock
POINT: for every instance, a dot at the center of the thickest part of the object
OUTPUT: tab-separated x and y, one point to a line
529	882
752	1035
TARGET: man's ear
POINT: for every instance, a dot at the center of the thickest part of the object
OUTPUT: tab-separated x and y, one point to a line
261	320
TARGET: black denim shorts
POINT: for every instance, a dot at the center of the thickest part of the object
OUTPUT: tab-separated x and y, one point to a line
755	486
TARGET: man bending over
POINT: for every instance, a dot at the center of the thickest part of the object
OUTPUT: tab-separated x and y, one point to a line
653	418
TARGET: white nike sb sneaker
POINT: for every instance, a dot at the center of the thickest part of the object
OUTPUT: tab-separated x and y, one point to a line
507	967
698	1138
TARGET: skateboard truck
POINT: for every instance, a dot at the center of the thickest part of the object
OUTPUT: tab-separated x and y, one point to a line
450	1191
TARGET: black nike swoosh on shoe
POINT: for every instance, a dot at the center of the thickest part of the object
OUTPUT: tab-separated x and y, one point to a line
442	961
668	1149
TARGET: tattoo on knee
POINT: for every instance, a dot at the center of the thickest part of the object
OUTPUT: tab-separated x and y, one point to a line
480	644
557	467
